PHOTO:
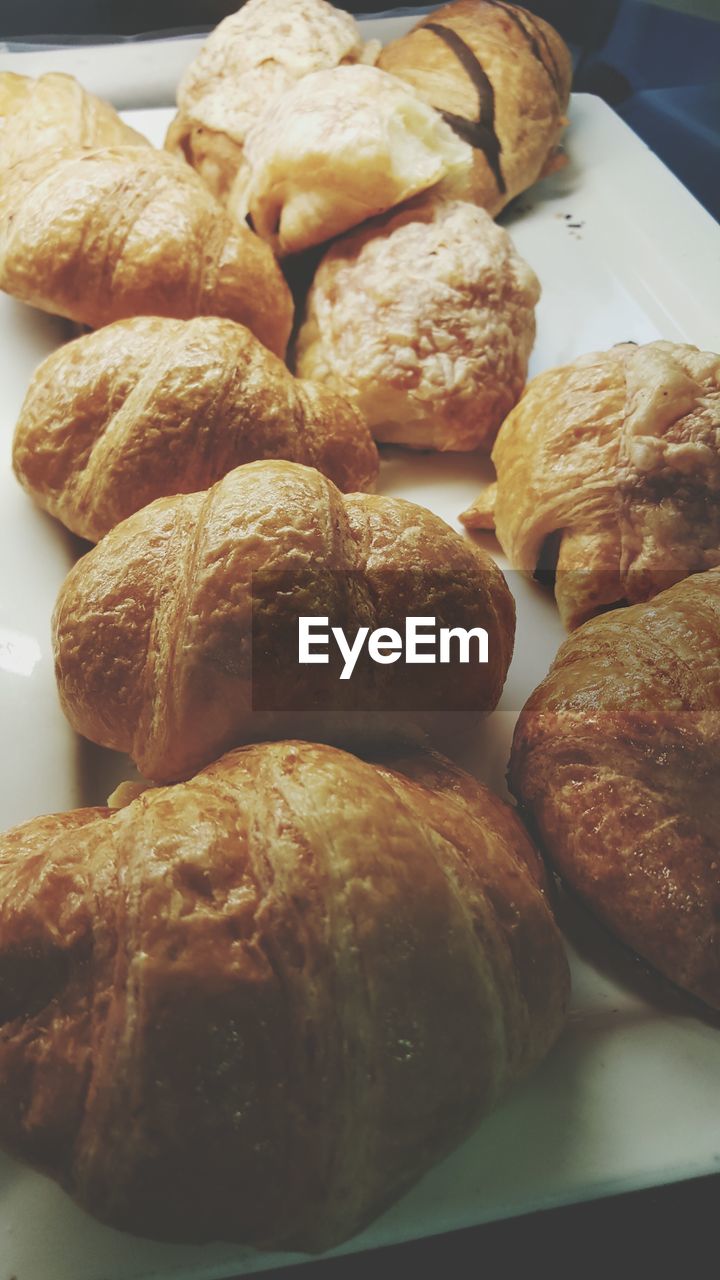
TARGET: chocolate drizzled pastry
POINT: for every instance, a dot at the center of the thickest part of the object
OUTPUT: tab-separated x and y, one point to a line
500	77
479	133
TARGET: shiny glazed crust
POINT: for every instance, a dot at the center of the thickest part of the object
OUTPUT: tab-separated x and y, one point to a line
259	1005
613	462
500	65
616	760
149	407
425	321
248	60
153	628
121	231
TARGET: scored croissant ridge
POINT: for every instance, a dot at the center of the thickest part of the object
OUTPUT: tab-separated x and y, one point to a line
257	1006
608	475
252	57
616	762
53	113
339	147
500	76
149	407
158	628
99	235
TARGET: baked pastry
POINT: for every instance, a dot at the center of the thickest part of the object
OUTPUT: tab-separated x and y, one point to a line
616	761
177	636
338	147
426	322
124	231
608	476
259	1005
501	78
244	65
55	113
149	407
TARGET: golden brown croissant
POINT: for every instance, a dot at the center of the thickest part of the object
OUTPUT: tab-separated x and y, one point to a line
259	1005
337	148
123	231
501	77
609	474
616	760
177	636
149	407
426	321
55	113
246	62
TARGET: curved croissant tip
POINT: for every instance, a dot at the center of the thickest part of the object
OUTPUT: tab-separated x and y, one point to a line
125	793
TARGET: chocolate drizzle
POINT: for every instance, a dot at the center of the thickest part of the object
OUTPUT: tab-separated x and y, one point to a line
479	133
533	34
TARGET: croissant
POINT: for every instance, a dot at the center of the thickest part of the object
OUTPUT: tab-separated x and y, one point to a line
244	65
608	475
177	636
55	113
501	78
149	407
616	760
426	321
259	1005
123	231
337	148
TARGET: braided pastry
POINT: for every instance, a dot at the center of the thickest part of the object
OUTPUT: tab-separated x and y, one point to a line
616	760
154	628
608	475
148	407
124	231
259	1005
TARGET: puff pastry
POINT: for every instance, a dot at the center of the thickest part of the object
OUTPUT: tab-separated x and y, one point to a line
153	628
609	475
616	760
149	407
501	78
55	113
100	235
246	63
426	322
259	1005
337	148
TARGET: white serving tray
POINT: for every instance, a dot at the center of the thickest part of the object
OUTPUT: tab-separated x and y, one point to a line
628	1099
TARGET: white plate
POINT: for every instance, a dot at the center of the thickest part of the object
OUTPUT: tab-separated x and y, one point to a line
629	1097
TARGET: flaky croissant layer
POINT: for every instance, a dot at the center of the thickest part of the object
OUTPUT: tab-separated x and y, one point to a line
250	59
52	113
176	637
121	231
616	759
258	1005
608	474
149	407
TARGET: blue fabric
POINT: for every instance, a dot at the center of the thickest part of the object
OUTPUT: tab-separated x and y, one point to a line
656	47
661	72
682	125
